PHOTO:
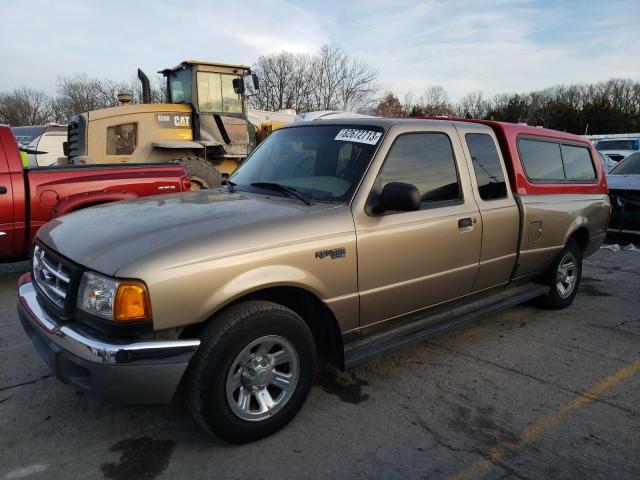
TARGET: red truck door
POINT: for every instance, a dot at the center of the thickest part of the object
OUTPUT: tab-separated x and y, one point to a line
6	206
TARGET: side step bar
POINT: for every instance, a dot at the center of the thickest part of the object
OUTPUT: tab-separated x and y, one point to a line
419	327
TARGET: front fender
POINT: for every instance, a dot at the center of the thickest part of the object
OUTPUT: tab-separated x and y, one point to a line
259	279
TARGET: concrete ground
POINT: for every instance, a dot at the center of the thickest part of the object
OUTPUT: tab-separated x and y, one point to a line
526	393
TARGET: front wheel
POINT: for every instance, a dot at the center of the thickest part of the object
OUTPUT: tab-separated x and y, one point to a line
252	372
563	277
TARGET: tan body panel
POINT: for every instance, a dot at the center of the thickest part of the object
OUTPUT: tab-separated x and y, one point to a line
548	222
411	260
199	251
500	222
260	258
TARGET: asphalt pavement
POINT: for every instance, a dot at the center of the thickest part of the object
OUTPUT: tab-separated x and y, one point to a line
526	393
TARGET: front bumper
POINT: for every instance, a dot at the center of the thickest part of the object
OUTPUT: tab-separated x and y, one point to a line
139	372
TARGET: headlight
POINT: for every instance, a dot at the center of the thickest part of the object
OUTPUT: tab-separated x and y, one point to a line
119	300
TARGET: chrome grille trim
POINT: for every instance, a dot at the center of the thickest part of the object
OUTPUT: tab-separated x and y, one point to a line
51	276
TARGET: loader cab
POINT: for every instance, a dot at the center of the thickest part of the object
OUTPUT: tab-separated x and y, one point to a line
213	88
217	94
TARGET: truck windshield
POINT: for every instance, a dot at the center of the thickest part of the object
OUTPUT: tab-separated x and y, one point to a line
324	163
180	86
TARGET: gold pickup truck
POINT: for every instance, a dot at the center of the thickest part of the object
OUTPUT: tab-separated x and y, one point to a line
344	238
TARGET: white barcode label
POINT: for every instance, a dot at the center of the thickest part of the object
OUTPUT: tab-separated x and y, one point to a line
356	135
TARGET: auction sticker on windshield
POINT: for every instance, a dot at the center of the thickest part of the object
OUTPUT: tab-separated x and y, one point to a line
360	136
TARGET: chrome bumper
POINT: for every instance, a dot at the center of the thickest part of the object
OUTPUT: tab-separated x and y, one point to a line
135	372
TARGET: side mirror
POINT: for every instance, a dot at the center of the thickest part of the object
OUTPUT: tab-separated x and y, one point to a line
238	85
399	197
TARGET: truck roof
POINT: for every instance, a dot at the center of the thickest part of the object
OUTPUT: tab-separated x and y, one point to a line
383	122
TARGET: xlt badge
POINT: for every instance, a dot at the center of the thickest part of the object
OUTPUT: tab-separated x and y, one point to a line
334	253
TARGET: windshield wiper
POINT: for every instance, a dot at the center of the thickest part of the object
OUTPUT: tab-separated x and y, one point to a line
230	186
282	188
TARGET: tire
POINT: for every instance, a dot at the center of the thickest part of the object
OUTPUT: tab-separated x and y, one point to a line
564	286
227	364
202	173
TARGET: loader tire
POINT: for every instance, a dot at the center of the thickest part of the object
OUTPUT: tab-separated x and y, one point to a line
201	172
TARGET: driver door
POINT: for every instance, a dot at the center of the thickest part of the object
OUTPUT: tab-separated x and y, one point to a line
409	261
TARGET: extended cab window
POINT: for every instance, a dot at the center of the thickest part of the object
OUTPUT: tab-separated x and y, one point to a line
425	160
121	139
487	166
542	160
577	163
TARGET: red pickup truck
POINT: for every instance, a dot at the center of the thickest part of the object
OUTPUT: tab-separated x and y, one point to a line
29	198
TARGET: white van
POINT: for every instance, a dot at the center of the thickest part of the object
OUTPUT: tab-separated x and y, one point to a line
47	139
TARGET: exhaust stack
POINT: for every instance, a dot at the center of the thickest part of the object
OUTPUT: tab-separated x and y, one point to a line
146	88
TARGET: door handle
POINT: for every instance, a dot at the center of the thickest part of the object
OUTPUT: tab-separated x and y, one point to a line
465	223
3	190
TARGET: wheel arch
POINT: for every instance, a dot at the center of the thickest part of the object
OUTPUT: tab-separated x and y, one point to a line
581	236
315	313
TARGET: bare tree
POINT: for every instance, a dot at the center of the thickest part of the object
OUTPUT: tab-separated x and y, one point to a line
25	106
472	105
435	102
330	80
83	94
285	82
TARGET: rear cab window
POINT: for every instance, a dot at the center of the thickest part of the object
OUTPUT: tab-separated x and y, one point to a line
554	161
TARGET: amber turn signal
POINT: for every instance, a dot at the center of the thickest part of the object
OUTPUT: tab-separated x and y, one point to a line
132	302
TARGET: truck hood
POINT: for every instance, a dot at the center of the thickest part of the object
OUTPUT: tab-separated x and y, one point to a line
106	237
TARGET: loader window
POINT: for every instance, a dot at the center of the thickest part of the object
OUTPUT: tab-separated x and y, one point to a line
231	101
215	93
180	86
121	139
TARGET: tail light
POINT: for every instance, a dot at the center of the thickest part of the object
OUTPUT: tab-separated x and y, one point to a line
186	183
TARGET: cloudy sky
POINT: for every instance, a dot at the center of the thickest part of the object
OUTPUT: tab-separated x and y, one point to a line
492	46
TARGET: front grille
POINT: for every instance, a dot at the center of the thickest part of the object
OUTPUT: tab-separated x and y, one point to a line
51	276
56	280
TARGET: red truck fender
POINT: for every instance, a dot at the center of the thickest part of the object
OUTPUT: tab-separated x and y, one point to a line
88	199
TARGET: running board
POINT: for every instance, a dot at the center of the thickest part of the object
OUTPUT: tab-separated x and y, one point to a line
421	326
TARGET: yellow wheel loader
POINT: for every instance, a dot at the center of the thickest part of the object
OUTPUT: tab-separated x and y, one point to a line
205	125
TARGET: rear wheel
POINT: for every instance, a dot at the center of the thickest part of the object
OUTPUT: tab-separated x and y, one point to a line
563	277
201	172
252	372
